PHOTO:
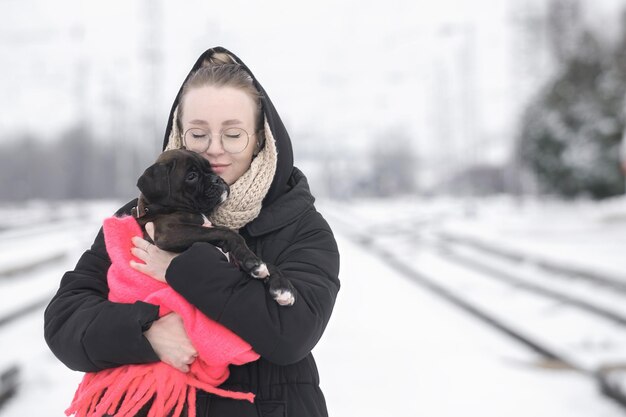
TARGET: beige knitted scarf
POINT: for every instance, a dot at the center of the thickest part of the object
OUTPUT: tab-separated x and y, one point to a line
247	193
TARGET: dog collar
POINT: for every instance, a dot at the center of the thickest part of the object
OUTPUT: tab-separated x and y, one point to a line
138	213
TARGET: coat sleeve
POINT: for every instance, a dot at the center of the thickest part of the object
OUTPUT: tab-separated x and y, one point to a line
85	330
282	335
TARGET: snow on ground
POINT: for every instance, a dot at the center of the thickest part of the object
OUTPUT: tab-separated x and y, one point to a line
587	234
392	348
46	385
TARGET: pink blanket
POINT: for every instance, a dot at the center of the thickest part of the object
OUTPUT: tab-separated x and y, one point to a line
122	391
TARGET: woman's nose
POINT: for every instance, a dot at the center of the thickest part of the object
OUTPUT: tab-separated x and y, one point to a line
215	146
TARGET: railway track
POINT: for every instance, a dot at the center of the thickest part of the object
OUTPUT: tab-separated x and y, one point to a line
32	263
556	268
571	319
9	383
17	307
35	250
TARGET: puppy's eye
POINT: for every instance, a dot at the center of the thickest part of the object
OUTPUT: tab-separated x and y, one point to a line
191	176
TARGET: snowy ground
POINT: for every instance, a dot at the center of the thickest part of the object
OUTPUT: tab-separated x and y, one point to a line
583	235
393	348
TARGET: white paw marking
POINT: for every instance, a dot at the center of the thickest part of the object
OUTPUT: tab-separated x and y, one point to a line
224	196
284	297
261	272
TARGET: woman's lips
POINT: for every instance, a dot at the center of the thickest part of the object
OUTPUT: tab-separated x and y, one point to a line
219	168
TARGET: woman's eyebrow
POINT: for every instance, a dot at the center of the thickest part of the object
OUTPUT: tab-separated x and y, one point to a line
224	123
231	122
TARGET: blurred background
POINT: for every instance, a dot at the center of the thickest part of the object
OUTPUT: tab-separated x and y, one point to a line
491	97
454	132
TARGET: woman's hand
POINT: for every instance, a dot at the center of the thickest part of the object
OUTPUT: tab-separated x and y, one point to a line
170	342
156	261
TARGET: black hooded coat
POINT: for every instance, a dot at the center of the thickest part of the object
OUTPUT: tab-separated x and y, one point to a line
89	333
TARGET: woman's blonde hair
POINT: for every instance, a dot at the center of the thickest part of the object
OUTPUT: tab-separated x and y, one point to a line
221	70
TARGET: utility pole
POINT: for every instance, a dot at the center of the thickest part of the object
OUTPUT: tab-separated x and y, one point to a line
117	112
152	61
530	65
456	81
623	156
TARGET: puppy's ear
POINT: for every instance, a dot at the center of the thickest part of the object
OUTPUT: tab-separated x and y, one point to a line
154	182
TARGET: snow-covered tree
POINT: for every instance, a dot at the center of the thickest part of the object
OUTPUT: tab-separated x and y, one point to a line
572	131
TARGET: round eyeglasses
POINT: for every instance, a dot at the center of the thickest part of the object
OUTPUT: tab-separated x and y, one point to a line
234	139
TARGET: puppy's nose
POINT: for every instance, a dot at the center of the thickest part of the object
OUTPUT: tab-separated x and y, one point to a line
224	186
218	181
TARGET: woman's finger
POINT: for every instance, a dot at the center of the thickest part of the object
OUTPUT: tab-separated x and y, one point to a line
138	266
150	230
139	242
139	253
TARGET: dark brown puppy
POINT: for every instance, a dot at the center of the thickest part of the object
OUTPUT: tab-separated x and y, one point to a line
178	192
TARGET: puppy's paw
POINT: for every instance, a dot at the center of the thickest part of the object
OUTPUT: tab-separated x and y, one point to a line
260	272
283	297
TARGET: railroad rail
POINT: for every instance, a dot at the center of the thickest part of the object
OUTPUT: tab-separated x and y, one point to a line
609	376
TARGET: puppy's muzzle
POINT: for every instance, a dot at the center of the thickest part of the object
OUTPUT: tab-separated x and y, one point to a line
221	188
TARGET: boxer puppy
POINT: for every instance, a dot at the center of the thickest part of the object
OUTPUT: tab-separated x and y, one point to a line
178	192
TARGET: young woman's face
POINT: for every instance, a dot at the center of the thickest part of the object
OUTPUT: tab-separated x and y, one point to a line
216	109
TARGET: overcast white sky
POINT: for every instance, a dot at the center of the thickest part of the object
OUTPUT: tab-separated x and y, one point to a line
443	70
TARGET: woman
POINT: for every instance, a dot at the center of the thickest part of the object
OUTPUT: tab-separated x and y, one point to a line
271	207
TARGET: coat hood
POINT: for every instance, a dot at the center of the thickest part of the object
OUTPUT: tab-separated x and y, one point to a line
284	165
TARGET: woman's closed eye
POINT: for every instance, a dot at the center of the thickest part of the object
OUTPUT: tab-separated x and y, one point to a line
197	135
